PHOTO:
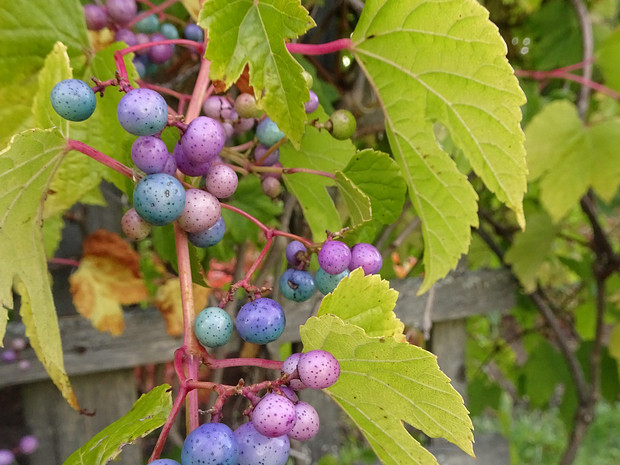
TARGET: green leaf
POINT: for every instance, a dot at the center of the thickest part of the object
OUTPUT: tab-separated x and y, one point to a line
253	32
27	167
374	313
568	158
531	247
318	151
607	60
357	201
148	413
52	234
540	381
27	36
449	67
384	383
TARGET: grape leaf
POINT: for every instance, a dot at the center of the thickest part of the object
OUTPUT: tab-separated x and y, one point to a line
148	413
531	247
374	313
254	32
568	158
357	201
26	38
384	383
607	59
27	166
318	151
449	67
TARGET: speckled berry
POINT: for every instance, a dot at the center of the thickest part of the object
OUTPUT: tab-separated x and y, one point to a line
326	282
201	211
318	369
269	160
274	415
294	250
149	154
208	237
134	226
218	107
257	449
289	394
142	112
159	198
73	99
164	462
311	105
297	285
307	423
203	140
261	321
268	132
367	257
221	180
171	166
187	167
213	327
334	257
210	444
289	365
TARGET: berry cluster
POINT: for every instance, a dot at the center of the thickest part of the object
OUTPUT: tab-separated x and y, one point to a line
27	445
336	260
13	353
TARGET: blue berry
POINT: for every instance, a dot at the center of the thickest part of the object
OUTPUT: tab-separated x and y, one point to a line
326	282
164	462
73	99
213	327
268	132
194	32
210	444
297	285
334	257
142	112
159	198
261	321
257	449
208	237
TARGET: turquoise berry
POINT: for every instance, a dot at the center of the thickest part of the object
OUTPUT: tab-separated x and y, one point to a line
213	327
159	198
297	285
147	25
326	282
268	132
169	30
73	99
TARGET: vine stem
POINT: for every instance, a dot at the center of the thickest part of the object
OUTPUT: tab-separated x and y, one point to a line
200	90
320	49
101	158
152	11
561	74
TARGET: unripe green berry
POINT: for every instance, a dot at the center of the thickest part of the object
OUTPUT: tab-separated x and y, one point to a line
245	105
343	124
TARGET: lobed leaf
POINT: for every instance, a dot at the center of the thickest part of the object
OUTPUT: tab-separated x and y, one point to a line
449	68
148	413
358	203
254	33
384	383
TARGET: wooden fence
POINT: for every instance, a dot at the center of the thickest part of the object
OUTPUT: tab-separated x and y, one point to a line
101	367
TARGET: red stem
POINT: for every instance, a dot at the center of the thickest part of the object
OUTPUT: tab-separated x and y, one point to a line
63	261
560	74
101	158
320	49
200	90
152	11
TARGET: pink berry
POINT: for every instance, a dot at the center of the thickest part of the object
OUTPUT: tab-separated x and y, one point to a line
221	181
367	257
274	415
134	227
6	457
334	257
201	211
271	187
289	366
28	444
318	369
307	423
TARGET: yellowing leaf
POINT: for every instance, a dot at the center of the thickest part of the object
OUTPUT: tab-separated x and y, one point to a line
168	302
107	278
384	383
365	301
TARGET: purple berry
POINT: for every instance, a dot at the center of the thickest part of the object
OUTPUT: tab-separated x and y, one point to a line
125	35
326	282
122	11
334	257
96	17
274	415
311	105
367	257
187	167
203	140
201	211
210	444
8	355
290	394
171	166
293	250
150	154
6	457
257	449
142	112
243	125
269	160
307	423
221	180
208	237
141	39
318	369
218	107
160	53
164	462
159	198
194	32
134	226
289	366
261	321
28	444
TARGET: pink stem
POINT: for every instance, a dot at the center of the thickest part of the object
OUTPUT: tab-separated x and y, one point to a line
152	11
320	49
63	261
558	74
200	89
165	90
101	158
165	431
